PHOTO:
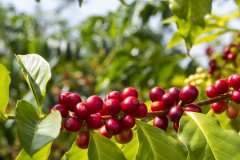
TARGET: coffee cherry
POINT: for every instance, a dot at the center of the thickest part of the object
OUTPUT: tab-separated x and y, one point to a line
82	139
62	109
62	99
113	126
188	94
128	121
193	108
176	126
141	111
157	106
234	81
103	131
130	105
211	91
73	124
115	95
72	100
174	91
104	112
94	121
221	86
236	96
94	104
130	91
81	111
161	122
156	94
218	107
124	136
175	113
168	100
232	111
112	106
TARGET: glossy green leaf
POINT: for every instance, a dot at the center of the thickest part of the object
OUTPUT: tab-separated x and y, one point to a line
101	148
156	144
76	153
205	139
34	133
176	39
42	154
37	74
4	87
130	149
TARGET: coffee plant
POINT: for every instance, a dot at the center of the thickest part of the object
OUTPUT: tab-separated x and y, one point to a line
195	119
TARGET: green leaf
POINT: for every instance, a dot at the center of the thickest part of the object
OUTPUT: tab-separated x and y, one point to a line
176	39
34	133
4	87
76	153
80	2
156	144
210	37
130	149
101	148
205	139
37	74
42	154
237	3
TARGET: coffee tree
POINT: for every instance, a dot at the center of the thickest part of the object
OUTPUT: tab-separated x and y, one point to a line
198	120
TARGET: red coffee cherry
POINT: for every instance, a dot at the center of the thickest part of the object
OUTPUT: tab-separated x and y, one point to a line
73	124
232	111
103	131
130	105
62	99
82	139
161	122
174	91
234	81
128	121
113	126
236	96
193	108
168	100
81	111
62	109
176	126
175	113
115	95
221	86
218	107
141	111
124	136
156	94
112	106
94	121
188	94
130	91
72	100
94	104
211	91
157	106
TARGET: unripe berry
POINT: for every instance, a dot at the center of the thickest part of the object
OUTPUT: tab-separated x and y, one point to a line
62	99
168	100
156	94
211	91
234	81
81	111
188	94
218	107
72	100
62	109
175	113
176	126
128	121
112	106
232	111
94	121
160	122
236	96
82	139
73	124
115	95
141	111
94	104
157	106
193	108
130	91
130	105
103	131
221	86
114	126
124	136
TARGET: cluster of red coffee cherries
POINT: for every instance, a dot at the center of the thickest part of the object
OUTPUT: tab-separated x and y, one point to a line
223	86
